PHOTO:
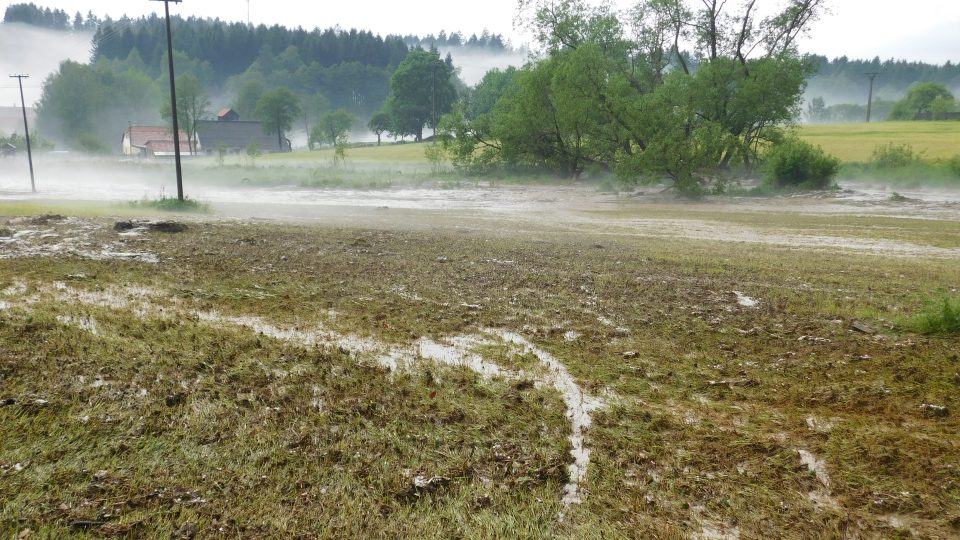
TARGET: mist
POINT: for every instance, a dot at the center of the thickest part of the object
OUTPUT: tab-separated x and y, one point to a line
37	52
474	63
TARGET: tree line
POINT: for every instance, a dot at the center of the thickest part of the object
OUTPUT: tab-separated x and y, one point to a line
614	93
54	19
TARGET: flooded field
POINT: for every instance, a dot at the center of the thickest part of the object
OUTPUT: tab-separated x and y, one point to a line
495	361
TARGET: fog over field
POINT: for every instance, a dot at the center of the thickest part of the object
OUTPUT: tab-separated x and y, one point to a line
38	53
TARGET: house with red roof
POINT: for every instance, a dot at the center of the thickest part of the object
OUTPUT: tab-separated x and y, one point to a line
150	142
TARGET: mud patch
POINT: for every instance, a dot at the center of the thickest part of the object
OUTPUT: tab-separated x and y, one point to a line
820	497
453	351
745	301
73	238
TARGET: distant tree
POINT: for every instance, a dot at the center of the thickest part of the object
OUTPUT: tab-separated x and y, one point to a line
192	106
421	88
817	110
250	93
379	123
253	152
334	128
314	106
929	97
277	109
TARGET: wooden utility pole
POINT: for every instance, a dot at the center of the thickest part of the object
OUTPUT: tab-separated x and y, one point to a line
870	98
173	99
433	101
26	129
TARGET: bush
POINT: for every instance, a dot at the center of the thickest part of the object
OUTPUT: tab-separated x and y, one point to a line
938	318
894	156
799	164
953	165
170	204
90	144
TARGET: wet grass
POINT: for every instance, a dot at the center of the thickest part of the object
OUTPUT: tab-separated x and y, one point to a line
854	143
708	401
940	316
167	204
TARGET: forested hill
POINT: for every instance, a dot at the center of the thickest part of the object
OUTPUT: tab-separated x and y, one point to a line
231	48
843	80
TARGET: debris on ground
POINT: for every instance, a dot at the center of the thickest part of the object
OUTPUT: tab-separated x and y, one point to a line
423	486
185	532
863	327
153	226
938	411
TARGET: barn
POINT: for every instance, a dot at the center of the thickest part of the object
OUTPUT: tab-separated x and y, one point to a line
232	135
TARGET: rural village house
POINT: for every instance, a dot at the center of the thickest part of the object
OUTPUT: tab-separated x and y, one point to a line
232	135
149	142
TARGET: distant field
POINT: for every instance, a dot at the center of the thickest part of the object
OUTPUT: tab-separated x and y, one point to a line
385	153
855	142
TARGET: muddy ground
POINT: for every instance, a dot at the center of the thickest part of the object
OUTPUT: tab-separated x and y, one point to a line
506	361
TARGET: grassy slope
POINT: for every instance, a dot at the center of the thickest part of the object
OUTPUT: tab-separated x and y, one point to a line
855	142
249	451
386	153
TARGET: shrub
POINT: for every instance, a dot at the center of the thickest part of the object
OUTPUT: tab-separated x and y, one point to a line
799	164
953	165
169	204
893	156
90	144
937	317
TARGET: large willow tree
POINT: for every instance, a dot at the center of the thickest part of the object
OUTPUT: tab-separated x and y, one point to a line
669	88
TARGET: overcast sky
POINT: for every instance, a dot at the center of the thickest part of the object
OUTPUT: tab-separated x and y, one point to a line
927	30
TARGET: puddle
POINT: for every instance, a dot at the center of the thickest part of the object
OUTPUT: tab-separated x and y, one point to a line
717	532
76	239
454	351
745	300
458	354
820	497
85	323
579	408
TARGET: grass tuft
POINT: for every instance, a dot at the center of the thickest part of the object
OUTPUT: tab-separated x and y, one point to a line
168	204
938	317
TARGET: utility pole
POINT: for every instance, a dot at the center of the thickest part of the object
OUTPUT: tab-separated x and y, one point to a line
870	98
433	101
173	99
26	128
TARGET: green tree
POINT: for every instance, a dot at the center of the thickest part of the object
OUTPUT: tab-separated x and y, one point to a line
817	110
192	106
314	106
278	109
421	90
334	128
924	98
95	100
379	124
614	91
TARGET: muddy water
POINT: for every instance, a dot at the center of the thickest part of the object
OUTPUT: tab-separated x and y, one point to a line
457	351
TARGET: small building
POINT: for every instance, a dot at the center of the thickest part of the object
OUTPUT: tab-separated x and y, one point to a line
152	142
232	135
228	115
7	149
